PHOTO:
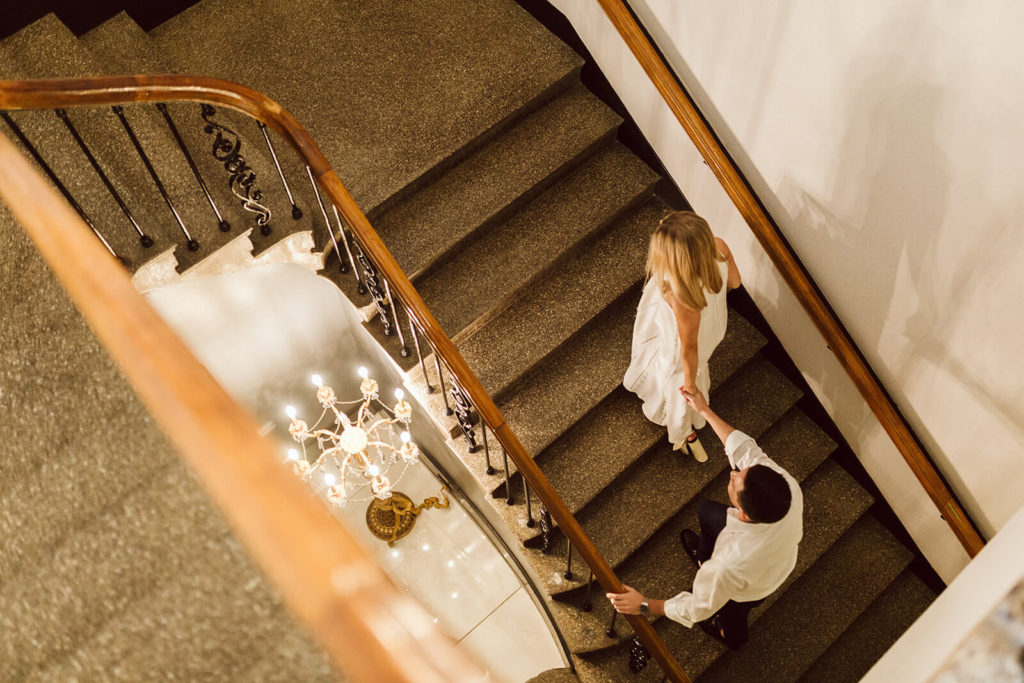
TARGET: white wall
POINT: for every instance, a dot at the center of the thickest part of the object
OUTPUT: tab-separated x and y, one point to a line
883	137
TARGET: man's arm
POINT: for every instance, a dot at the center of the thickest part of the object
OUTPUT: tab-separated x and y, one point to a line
697	401
711	590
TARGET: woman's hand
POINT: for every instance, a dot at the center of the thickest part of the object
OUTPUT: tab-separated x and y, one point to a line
690	389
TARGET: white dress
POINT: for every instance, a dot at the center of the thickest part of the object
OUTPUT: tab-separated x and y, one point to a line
655	370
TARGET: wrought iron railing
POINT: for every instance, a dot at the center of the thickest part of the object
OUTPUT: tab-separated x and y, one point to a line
361	252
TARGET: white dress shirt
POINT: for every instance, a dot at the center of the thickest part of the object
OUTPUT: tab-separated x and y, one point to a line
750	560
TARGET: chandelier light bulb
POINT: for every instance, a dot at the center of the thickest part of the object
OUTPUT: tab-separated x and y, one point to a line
363	372
373	470
318	381
290	411
293	454
399	394
329	479
406	437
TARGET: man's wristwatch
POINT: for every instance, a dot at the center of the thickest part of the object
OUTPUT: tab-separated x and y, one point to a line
644	607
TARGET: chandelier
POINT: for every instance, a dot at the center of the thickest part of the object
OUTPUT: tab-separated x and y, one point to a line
355	449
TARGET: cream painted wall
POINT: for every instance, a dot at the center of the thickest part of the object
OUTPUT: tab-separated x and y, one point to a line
883	137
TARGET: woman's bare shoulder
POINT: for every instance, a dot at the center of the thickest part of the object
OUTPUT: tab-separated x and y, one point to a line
723	247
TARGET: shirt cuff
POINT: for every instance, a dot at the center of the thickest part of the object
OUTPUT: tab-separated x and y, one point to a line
675	608
735	439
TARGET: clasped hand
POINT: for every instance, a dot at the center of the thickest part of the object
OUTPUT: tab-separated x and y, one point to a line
626	603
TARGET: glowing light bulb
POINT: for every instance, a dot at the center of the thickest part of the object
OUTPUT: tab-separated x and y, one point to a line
373	470
406	437
290	411
293	454
451	563
399	394
363	372
329	479
317	380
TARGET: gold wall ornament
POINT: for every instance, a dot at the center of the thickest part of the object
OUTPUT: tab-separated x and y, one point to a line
355	455
393	518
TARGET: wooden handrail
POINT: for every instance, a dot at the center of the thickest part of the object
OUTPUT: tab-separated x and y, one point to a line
795	275
371	630
53	93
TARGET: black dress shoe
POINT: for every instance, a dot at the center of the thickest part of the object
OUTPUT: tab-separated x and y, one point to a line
691	543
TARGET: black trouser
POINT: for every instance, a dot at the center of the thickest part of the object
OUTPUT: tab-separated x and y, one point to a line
733	616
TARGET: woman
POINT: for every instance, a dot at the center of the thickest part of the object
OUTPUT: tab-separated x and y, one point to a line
680	321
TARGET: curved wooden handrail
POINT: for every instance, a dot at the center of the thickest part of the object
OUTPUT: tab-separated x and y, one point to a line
54	93
795	275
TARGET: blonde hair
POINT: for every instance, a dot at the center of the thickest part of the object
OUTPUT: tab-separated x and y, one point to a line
684	259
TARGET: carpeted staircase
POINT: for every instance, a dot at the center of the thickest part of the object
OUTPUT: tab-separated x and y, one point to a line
497	181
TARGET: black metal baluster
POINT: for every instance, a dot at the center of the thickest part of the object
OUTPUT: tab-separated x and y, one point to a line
191	243
440	381
221	223
296	211
144	239
510	498
327	222
530	522
611	627
227	148
568	566
423	366
370	277
55	180
588	604
546	529
463	413
487	449
360	287
638	655
398	327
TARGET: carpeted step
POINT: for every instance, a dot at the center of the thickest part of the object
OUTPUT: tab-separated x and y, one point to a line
825	601
550	312
491	184
293	650
114	559
664	480
121	46
47	49
413	87
555	676
491	273
661	569
874	631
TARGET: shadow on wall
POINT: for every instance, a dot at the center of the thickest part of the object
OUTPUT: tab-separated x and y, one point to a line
911	258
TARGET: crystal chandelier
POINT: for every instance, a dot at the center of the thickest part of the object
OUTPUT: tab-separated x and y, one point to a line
354	455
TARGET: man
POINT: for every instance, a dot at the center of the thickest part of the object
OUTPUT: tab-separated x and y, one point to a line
744	552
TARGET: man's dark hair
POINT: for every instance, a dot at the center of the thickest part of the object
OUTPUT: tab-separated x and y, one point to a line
765	497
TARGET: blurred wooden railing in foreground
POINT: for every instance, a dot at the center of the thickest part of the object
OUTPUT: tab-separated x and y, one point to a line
795	275
372	631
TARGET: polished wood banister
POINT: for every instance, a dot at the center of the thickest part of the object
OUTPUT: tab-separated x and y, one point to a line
795	275
371	630
52	93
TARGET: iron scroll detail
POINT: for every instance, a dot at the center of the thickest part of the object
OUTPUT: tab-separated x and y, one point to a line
227	148
463	413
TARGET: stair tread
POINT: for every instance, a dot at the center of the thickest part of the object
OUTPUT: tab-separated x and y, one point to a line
661	569
549	313
128	549
501	175
868	638
489	273
455	84
867	557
